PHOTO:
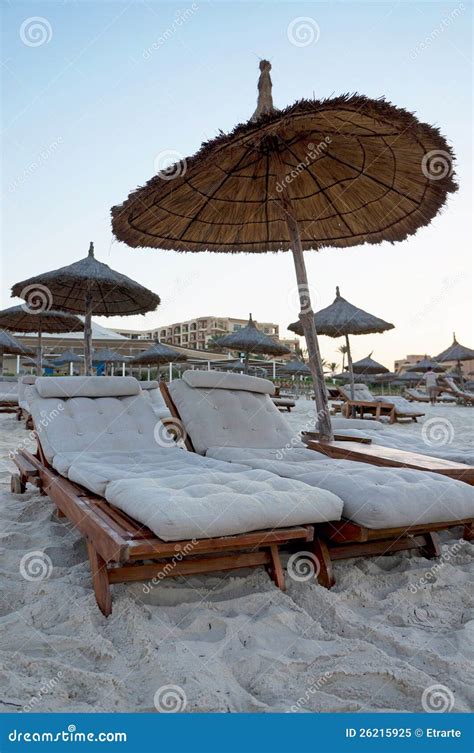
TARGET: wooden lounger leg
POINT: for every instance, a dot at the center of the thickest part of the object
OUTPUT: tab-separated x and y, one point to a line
468	532
100	580
325	575
431	549
275	569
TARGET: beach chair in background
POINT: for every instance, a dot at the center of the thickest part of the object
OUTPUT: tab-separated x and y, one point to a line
147	509
23	410
463	397
8	394
232	418
395	408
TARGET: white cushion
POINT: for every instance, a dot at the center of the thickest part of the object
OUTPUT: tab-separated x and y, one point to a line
152	384
213	503
373	497
221	381
152	394
402	405
229	416
86	386
361	392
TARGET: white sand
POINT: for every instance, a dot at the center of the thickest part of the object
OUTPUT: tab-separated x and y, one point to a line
375	642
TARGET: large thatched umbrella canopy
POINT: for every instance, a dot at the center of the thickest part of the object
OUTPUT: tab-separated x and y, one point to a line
157	355
343	318
334	172
368	366
88	286
249	340
8	344
23	318
426	364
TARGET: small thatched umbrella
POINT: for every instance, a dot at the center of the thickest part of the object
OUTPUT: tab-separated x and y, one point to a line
426	364
334	172
408	377
294	368
456	352
25	319
68	356
8	344
88	286
342	318
158	354
367	366
249	340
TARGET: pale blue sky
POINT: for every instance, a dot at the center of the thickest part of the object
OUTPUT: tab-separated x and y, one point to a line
87	113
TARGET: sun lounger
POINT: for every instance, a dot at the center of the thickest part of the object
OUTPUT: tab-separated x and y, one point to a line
151	392
150	511
23	410
364	402
8	395
233	419
284	403
464	397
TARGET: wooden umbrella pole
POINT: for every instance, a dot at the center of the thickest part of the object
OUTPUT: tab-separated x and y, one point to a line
349	363
306	314
246	362
39	364
88	334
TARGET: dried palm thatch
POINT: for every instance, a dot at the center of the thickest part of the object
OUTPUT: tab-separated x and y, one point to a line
106	355
456	352
424	365
8	344
68	356
88	286
295	368
158	354
249	340
368	366
334	172
25	319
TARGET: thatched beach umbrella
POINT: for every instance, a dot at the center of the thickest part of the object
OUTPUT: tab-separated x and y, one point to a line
10	345
158	354
69	357
249	340
367	366
25	319
456	352
294	368
426	364
88	286
334	172
408	377
342	318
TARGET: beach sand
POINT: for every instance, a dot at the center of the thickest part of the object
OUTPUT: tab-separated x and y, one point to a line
391	629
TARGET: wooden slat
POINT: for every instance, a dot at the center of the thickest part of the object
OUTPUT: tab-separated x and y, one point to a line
188	567
346	531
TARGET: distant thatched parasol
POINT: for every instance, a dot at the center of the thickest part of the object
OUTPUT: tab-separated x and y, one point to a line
335	172
157	354
68	356
456	352
368	366
294	368
426	364
25	319
249	340
343	318
88	286
408	377
107	356
8	344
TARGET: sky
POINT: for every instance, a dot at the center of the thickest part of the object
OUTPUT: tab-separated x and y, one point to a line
98	96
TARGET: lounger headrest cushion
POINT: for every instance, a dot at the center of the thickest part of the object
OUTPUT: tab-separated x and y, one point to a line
28	379
151	385
210	380
361	392
86	386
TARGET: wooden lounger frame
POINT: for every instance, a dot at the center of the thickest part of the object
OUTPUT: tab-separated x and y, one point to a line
8	407
121	550
345	539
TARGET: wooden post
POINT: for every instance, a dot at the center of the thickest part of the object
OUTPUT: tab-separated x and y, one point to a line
306	314
349	363
39	365
88	334
246	362
1	362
